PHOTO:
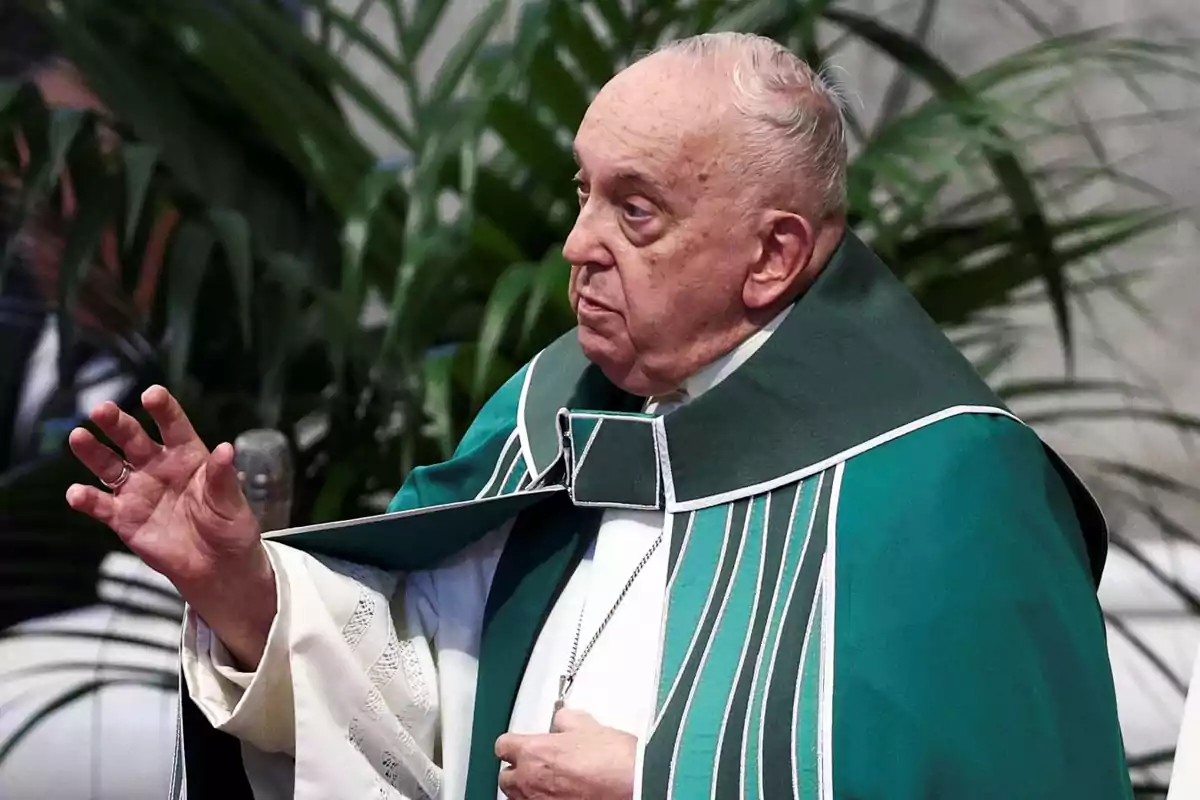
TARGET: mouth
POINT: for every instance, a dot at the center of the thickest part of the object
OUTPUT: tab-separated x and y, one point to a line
588	306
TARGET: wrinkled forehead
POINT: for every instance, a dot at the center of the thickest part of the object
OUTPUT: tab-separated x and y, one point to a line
663	117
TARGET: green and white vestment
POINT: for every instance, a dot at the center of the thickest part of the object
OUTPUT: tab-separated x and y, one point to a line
881	583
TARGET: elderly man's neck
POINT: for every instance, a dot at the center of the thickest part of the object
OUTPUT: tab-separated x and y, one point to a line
720	344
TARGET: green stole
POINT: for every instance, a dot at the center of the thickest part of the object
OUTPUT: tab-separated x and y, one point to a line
750	477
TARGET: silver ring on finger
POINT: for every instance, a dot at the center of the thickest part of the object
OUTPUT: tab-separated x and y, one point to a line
126	471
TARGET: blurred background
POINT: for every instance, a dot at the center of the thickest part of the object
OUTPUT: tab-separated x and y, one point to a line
341	219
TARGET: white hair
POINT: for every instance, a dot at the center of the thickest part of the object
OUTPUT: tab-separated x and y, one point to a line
796	114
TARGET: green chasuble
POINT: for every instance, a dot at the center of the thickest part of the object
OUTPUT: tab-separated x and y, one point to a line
882	584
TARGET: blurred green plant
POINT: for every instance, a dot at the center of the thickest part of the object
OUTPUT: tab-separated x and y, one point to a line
367	307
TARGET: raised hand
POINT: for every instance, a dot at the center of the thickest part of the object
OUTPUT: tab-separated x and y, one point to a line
181	509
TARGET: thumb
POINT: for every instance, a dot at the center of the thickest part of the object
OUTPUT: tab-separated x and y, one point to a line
222	490
567	720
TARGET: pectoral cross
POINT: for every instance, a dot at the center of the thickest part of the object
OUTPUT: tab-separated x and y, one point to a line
564	685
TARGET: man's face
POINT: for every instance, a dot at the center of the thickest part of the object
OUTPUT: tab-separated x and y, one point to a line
664	238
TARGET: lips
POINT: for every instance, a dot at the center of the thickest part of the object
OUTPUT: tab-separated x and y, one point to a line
587	305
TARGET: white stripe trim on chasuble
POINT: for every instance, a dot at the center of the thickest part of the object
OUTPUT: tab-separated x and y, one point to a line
791	591
526	448
737	675
712	587
808	642
658	460
509	472
499	463
828	641
674	506
587	448
669	525
687	706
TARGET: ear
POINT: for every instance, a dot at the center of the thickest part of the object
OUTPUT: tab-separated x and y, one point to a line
786	243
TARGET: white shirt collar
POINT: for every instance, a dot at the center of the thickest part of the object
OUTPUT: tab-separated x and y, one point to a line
709	376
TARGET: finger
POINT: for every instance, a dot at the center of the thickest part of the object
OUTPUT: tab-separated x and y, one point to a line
126	433
510	784
173	425
567	719
221	487
91	501
103	462
510	746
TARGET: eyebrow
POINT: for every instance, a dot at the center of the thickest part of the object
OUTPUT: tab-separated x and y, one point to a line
629	176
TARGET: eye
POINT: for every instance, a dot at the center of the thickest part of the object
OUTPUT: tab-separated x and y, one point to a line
581	190
636	212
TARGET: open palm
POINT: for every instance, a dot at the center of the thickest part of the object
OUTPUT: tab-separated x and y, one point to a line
177	505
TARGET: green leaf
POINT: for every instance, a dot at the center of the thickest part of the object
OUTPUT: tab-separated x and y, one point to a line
356	34
538	148
356	233
187	262
464	53
234	234
140	159
615	18
425	20
572	31
439	401
952	297
552	279
553	87
753	16
512	287
64	125
94	190
1009	172
335	491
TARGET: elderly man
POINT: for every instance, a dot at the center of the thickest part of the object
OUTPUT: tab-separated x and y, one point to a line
754	529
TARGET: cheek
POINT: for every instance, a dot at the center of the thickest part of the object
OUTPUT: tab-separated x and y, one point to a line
573	288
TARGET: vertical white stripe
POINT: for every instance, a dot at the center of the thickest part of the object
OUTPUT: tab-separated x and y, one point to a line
664	463
704	613
828	615
758	662
521	399
687	707
808	642
668	525
762	563
787	603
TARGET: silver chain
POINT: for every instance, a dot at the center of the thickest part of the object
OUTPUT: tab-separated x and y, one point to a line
577	658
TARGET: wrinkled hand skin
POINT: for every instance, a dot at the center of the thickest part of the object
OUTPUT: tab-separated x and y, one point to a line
579	759
182	511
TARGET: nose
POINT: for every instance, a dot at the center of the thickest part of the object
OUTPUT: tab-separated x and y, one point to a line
585	244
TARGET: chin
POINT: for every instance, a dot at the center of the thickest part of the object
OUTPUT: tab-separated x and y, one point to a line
619	364
615	361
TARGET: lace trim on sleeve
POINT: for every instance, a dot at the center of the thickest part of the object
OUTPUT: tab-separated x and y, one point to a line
406	768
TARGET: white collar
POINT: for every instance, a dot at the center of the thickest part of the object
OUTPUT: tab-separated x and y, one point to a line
718	370
709	376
